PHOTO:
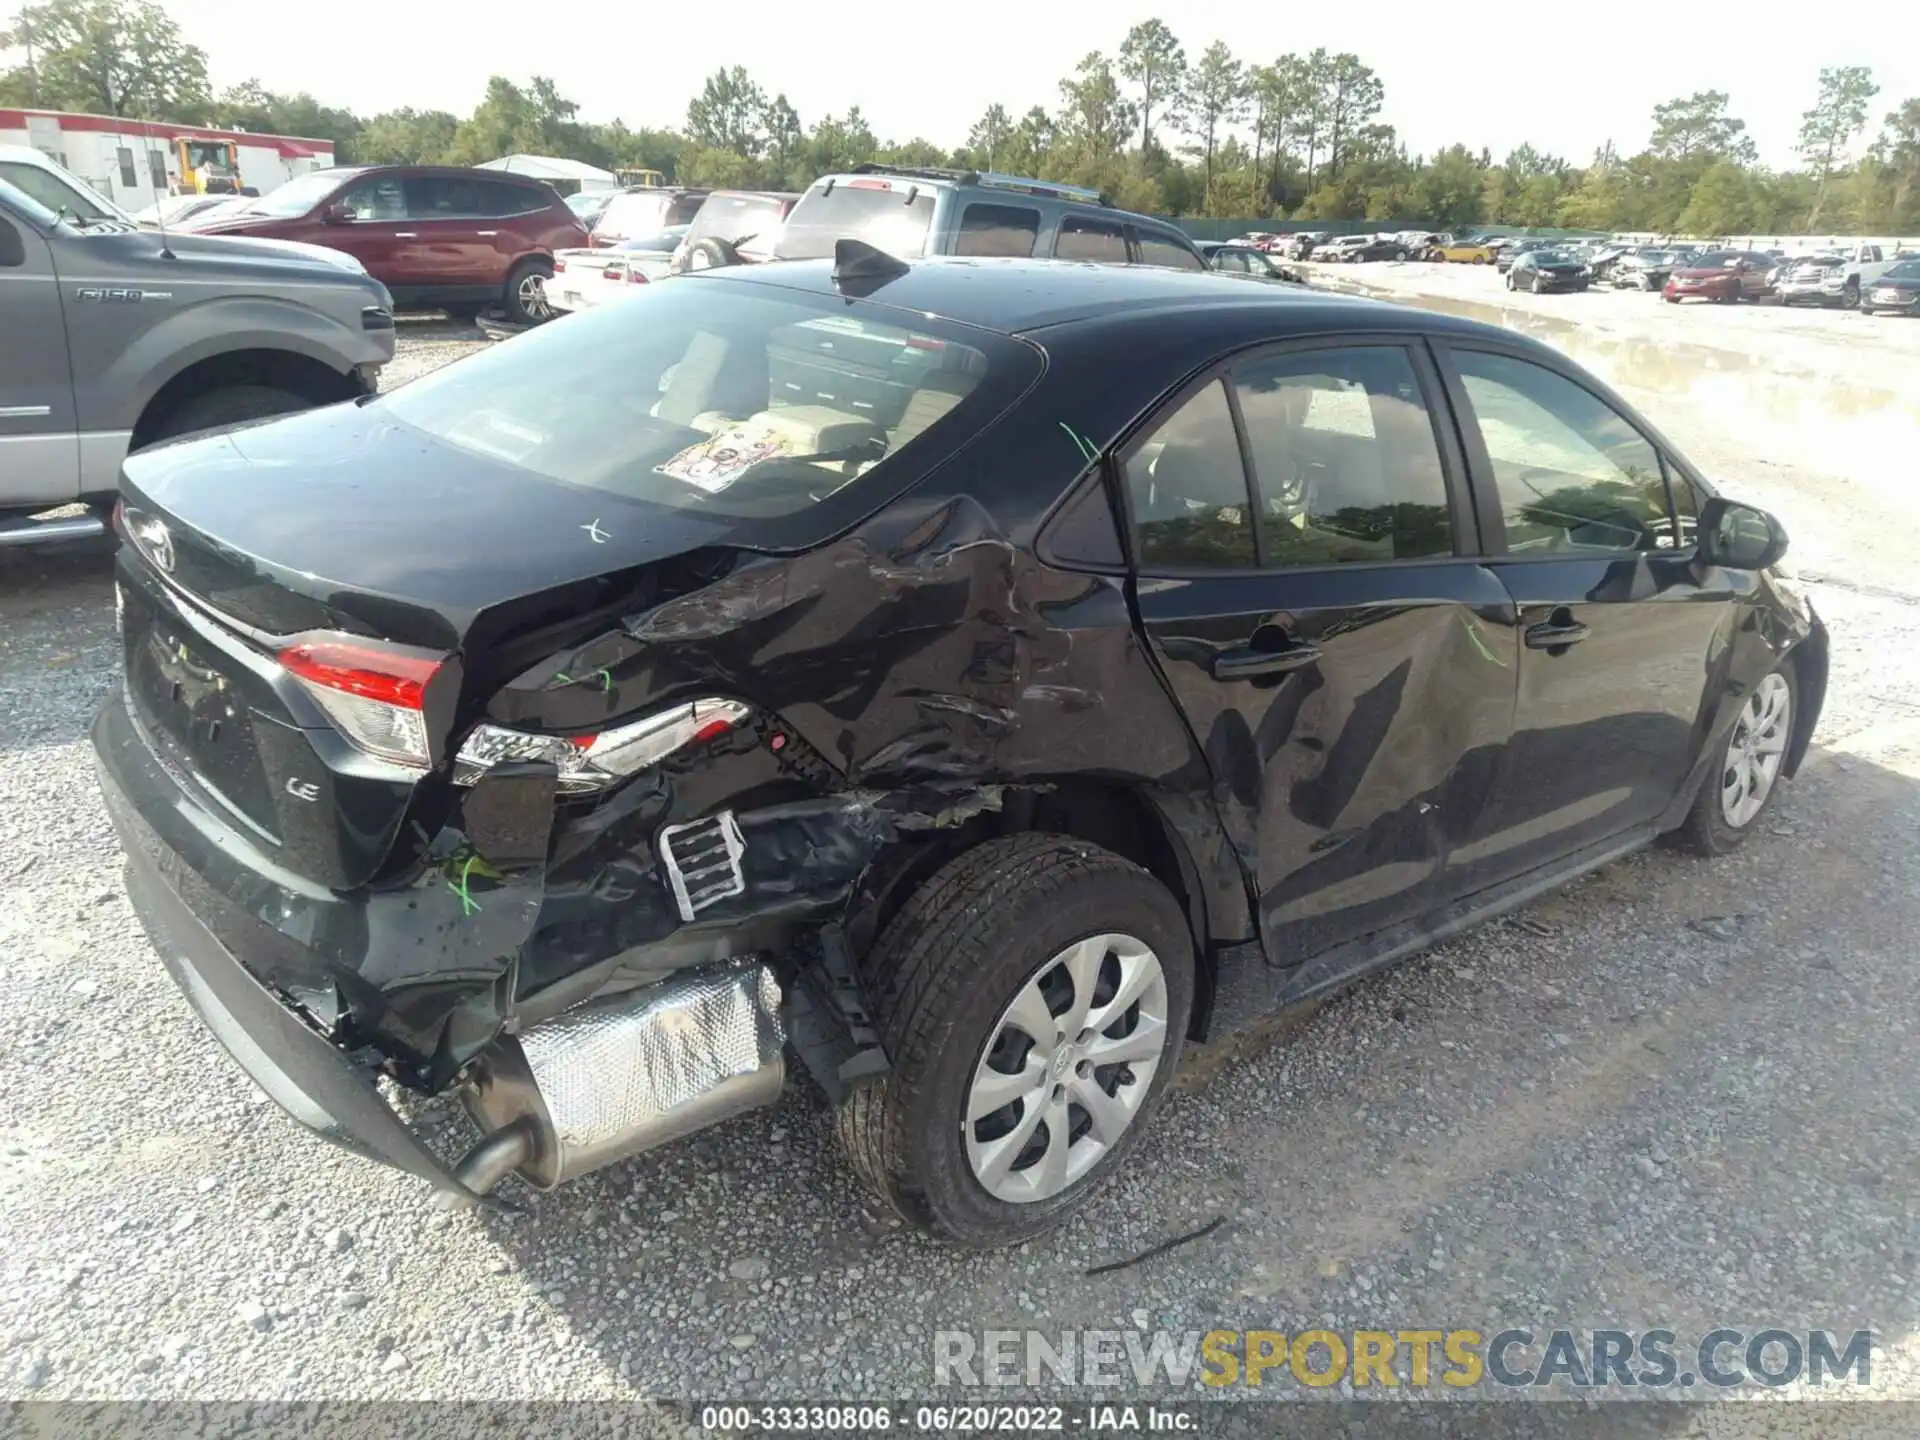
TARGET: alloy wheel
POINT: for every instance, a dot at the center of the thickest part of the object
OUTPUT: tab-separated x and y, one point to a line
533	296
1066	1068
1755	751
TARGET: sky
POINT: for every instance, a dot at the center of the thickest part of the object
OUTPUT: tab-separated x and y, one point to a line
1453	72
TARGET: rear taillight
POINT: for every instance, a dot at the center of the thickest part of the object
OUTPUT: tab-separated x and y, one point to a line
613	272
634	277
374	696
593	762
559	266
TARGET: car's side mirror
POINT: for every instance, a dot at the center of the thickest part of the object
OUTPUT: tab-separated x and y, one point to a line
1739	537
337	215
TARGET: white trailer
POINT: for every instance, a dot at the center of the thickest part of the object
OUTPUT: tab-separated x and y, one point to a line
137	163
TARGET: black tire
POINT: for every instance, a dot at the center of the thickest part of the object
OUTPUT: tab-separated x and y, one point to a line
1850	295
1538	286
1706	830
228	405
939	978
1671	299
711	253
525	301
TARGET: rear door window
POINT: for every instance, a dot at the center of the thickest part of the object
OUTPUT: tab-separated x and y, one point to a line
890	213
1005	230
1168	253
1346	466
1084	238
443	197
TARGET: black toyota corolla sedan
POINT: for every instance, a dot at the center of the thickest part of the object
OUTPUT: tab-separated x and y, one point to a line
1543	270
967	681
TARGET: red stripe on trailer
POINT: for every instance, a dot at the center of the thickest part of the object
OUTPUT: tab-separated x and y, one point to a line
291	147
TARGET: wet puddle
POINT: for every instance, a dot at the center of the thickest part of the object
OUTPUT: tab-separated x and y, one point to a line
1776	399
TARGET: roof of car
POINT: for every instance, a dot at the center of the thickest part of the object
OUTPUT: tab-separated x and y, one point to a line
1020	296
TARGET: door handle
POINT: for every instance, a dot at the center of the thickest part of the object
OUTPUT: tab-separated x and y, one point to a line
406	234
1559	631
1246	663
486	234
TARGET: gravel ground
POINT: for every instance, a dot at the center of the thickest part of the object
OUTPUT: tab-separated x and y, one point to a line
1681	1094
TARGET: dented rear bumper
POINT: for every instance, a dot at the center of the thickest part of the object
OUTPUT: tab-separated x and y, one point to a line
460	974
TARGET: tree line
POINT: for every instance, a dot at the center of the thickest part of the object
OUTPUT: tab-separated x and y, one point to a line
1299	138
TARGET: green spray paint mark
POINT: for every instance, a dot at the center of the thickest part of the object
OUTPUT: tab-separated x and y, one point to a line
1481	645
1081	443
606	679
468	905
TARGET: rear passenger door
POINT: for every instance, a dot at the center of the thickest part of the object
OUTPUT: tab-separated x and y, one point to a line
1302	550
1619	628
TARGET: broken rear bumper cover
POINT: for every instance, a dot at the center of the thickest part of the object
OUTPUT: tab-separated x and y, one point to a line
614	1073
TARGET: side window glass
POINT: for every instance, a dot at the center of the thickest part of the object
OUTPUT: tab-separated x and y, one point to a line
1084	532
1082	238
442	197
1169	254
1572	474
378	198
997	230
1344	457
1188	488
128	175
1231	261
158	164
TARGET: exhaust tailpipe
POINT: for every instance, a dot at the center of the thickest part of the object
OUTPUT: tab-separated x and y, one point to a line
622	1074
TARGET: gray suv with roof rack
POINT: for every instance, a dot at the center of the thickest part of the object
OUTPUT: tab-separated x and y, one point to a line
911	212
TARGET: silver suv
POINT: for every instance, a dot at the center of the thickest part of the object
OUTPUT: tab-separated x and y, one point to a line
911	212
140	336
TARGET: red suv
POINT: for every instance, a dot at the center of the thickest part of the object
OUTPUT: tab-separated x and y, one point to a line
438	237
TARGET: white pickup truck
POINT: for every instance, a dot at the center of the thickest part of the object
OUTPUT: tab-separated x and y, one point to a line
1839	275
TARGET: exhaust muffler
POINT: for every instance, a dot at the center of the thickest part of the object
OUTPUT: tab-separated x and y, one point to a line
622	1074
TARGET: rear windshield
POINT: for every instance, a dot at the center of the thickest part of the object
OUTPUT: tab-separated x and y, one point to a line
648	213
890	215
750	222
744	402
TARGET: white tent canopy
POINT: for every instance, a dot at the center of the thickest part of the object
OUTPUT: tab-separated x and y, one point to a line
550	167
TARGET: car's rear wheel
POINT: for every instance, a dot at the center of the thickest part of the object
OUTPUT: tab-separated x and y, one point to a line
1539	286
525	296
228	405
1033	997
1850	295
1736	794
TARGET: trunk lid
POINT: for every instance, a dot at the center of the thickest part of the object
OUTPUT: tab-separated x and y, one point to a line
344	525
342	518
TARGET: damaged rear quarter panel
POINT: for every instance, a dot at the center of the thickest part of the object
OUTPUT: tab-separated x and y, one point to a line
924	661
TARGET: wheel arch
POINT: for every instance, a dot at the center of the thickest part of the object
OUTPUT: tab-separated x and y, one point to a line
291	370
1173	838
